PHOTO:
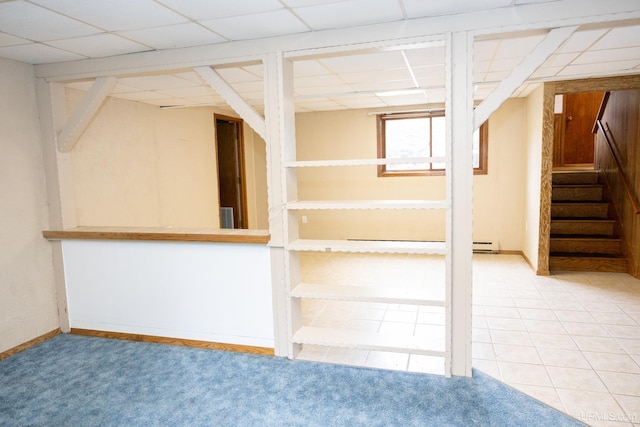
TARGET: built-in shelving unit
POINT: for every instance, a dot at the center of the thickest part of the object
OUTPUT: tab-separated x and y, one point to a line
300	334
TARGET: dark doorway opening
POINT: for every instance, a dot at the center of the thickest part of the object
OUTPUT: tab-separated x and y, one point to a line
231	172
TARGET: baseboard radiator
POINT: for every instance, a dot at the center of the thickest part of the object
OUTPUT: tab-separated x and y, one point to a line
478	247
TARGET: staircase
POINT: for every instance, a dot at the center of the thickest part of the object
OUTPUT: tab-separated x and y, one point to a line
583	235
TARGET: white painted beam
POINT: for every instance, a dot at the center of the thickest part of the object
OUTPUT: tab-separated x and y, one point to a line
494	21
459	126
85	112
521	73
235	101
280	140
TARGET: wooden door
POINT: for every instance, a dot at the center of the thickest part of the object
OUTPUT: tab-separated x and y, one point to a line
579	113
231	170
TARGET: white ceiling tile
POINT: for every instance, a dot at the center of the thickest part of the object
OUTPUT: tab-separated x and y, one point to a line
364	62
376	76
349	13
545	72
139	96
156	82
310	67
495	76
323	90
237	75
317	81
484	50
174	36
619	37
315	105
419	8
595	56
382	86
360	101
244	87
425	57
254	26
517	47
207	9
435	71
204	100
10	40
188	92
560	59
581	40
504	64
99	45
116	15
36	53
32	22
167	102
599	69
303	3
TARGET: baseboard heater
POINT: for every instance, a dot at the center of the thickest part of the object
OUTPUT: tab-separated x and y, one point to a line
478	247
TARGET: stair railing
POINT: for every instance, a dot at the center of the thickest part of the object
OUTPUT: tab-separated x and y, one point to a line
623	177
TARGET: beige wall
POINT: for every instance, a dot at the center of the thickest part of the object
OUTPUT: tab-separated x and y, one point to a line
27	288
498	197
139	165
533	168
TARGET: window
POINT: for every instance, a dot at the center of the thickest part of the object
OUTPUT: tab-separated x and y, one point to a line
421	134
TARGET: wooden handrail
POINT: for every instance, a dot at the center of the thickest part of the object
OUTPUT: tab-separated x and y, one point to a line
625	183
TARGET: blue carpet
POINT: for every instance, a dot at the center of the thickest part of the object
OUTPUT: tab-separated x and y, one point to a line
82	381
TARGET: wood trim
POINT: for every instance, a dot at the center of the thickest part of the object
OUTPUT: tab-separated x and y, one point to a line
29	344
160	234
238	348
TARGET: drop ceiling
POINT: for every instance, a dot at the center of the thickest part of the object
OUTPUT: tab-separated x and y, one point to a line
49	31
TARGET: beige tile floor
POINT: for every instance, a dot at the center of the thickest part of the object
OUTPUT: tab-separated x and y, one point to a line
571	340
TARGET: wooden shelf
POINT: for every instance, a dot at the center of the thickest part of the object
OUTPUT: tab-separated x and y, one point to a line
369	246
365	341
161	234
364	162
367	204
366	294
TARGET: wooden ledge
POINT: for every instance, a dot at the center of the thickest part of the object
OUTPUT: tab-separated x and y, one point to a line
161	234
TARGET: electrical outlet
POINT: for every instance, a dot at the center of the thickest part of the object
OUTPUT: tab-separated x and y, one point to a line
304	219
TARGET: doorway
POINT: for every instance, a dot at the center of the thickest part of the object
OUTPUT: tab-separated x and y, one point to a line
573	124
231	171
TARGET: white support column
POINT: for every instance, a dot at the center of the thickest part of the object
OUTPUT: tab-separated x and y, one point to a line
459	119
58	173
246	111
518	75
85	112
280	139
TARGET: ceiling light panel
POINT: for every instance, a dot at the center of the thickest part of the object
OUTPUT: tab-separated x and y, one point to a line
350	13
116	15
207	9
32	22
174	36
255	26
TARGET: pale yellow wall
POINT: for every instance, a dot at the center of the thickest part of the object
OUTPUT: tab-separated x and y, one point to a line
498	198
534	104
28	305
139	165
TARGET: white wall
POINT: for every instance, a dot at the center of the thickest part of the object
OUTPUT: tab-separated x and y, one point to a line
498	196
27	288
142	166
200	291
534	104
